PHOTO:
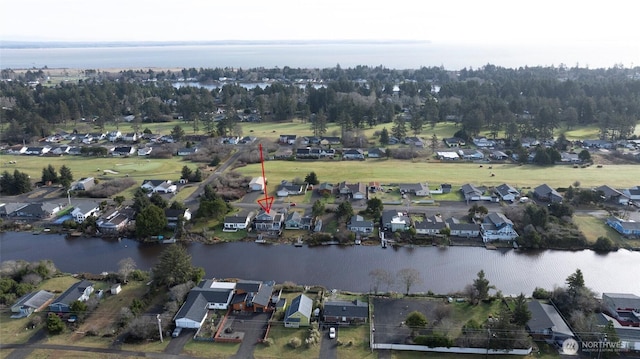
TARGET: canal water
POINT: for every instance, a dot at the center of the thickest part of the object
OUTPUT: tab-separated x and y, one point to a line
443	270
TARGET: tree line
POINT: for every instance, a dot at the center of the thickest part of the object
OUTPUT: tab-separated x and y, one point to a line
516	103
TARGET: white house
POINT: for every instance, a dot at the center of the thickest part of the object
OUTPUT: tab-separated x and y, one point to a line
84	210
497	226
113	136
257	183
235	222
159	186
209	294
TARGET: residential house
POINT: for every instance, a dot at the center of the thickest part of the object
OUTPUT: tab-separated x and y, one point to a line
546	193
287	139
84	184
374	186
496	226
612	195
454	142
8	209
283	153
392	220
353	154
325	189
598	144
209	294
145	151
248	140
345	312
447	155
37	151
293	220
353	190
84	210
186	151
546	323
291	189
473	193
17	150
79	291
376	153
498	155
330	140
123	151
236	222
253	296
414	141
360	225
429	228
416	189
113	136
130	137
175	215
60	150
30	303
159	186
567	157
298	314
272	221
483	142
463	229
633	194
624	307
35	210
257	184
446	187
115	221
506	192
470	154
626	228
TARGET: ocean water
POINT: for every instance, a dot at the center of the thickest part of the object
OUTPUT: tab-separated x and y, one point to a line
320	55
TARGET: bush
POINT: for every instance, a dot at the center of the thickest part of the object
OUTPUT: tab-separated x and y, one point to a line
268	342
433	340
55	325
295	343
541	293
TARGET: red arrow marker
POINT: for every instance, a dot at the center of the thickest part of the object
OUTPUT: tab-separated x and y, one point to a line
266	202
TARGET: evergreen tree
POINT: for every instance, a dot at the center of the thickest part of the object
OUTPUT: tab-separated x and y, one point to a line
399	129
521	312
55	325
150	221
174	267
482	286
384	137
66	177
311	178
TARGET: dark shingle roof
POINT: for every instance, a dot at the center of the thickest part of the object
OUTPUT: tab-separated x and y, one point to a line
355	309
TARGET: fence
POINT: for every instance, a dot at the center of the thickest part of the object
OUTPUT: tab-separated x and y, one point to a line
456	350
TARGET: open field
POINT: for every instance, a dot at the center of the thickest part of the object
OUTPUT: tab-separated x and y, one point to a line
397	171
280	348
210	350
355	343
594	227
99	167
68	354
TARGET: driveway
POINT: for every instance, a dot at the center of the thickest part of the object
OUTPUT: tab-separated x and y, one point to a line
176	344
329	347
253	326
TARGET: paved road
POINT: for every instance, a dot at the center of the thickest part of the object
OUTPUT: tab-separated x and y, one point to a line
328	346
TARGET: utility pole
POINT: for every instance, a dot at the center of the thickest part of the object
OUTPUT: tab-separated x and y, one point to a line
160	327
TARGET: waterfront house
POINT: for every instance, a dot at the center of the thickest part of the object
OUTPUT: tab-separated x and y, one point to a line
287	139
345	312
429	228
470	154
298	314
84	210
30	303
209	294
237	221
394	221
463	229
624	307
272	221
79	291
626	228
496	226
360	225
175	215
293	220
546	323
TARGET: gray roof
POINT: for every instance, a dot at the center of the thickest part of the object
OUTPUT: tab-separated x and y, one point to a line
412	187
235	219
302	304
248	285
545	316
464	227
354	309
505	189
74	292
34	299
430	225
264	295
194	308
497	219
544	190
469	190
623	300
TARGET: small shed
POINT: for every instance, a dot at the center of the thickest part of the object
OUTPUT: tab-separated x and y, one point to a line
116	288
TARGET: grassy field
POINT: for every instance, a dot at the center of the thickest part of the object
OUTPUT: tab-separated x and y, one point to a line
210	350
397	171
280	348
594	227
66	354
355	343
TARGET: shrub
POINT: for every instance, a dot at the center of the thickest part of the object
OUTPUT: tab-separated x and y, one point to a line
295	343
541	293
55	325
433	340
268	342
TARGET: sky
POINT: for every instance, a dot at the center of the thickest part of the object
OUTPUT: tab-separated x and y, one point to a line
452	21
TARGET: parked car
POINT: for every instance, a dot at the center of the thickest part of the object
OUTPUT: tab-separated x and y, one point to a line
332	333
176	332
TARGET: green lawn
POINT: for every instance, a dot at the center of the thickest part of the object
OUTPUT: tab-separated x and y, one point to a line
594	227
354	342
280	348
210	350
398	171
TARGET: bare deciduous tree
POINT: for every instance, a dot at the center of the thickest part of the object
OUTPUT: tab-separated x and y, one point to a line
380	277
125	267
408	277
